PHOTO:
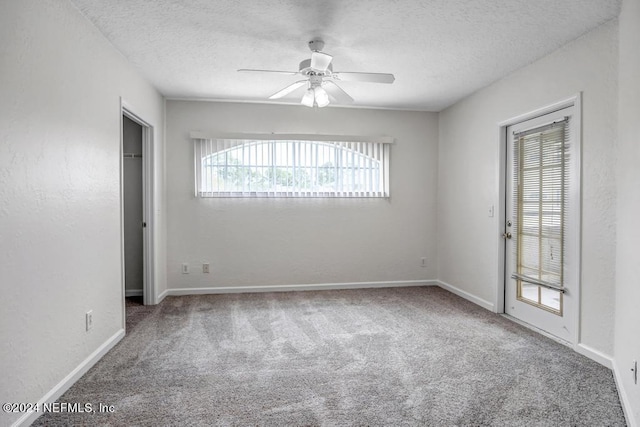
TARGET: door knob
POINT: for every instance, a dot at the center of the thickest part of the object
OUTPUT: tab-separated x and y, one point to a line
506	235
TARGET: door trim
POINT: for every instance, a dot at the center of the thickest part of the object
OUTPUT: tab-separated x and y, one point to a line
148	205
575	220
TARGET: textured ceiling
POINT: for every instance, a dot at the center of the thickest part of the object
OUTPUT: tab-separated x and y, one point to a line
439	50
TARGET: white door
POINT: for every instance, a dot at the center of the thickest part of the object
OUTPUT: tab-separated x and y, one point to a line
542	223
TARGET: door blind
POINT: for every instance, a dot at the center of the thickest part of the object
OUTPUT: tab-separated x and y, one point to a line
541	171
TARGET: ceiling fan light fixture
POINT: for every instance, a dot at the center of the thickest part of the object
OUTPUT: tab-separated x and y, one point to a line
322	98
308	98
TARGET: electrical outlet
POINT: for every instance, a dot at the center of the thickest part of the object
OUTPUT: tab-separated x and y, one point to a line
205	267
490	211
185	268
89	319
423	262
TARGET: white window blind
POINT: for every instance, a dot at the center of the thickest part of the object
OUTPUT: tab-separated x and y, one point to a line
541	168
290	168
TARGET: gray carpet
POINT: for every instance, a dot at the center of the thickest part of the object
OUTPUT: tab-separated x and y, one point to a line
136	312
392	357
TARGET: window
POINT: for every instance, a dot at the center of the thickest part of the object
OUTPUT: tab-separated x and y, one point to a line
291	168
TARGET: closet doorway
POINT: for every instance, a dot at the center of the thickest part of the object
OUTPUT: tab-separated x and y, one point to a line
133	195
136	209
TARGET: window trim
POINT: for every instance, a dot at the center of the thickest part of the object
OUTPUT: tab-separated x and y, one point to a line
294	136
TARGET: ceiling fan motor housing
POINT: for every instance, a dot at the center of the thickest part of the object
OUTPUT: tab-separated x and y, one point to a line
306	70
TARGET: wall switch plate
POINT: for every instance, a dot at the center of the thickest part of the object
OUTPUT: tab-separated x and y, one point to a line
205	267
490	211
185	268
89	320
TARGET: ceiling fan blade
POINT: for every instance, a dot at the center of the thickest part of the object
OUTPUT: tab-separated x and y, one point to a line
337	92
320	61
287	90
246	70
346	76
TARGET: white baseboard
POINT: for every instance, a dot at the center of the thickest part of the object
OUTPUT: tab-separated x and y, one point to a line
133	293
466	295
624	397
594	355
162	296
70	379
290	288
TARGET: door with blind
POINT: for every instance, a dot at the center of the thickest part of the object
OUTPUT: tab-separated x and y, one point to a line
541	282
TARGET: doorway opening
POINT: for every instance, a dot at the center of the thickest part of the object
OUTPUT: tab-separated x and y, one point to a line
133	195
136	177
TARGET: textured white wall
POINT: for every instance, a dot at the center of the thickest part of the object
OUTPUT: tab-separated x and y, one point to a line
469	162
253	242
59	192
627	324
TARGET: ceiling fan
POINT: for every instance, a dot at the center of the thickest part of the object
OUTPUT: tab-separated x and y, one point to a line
321	79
